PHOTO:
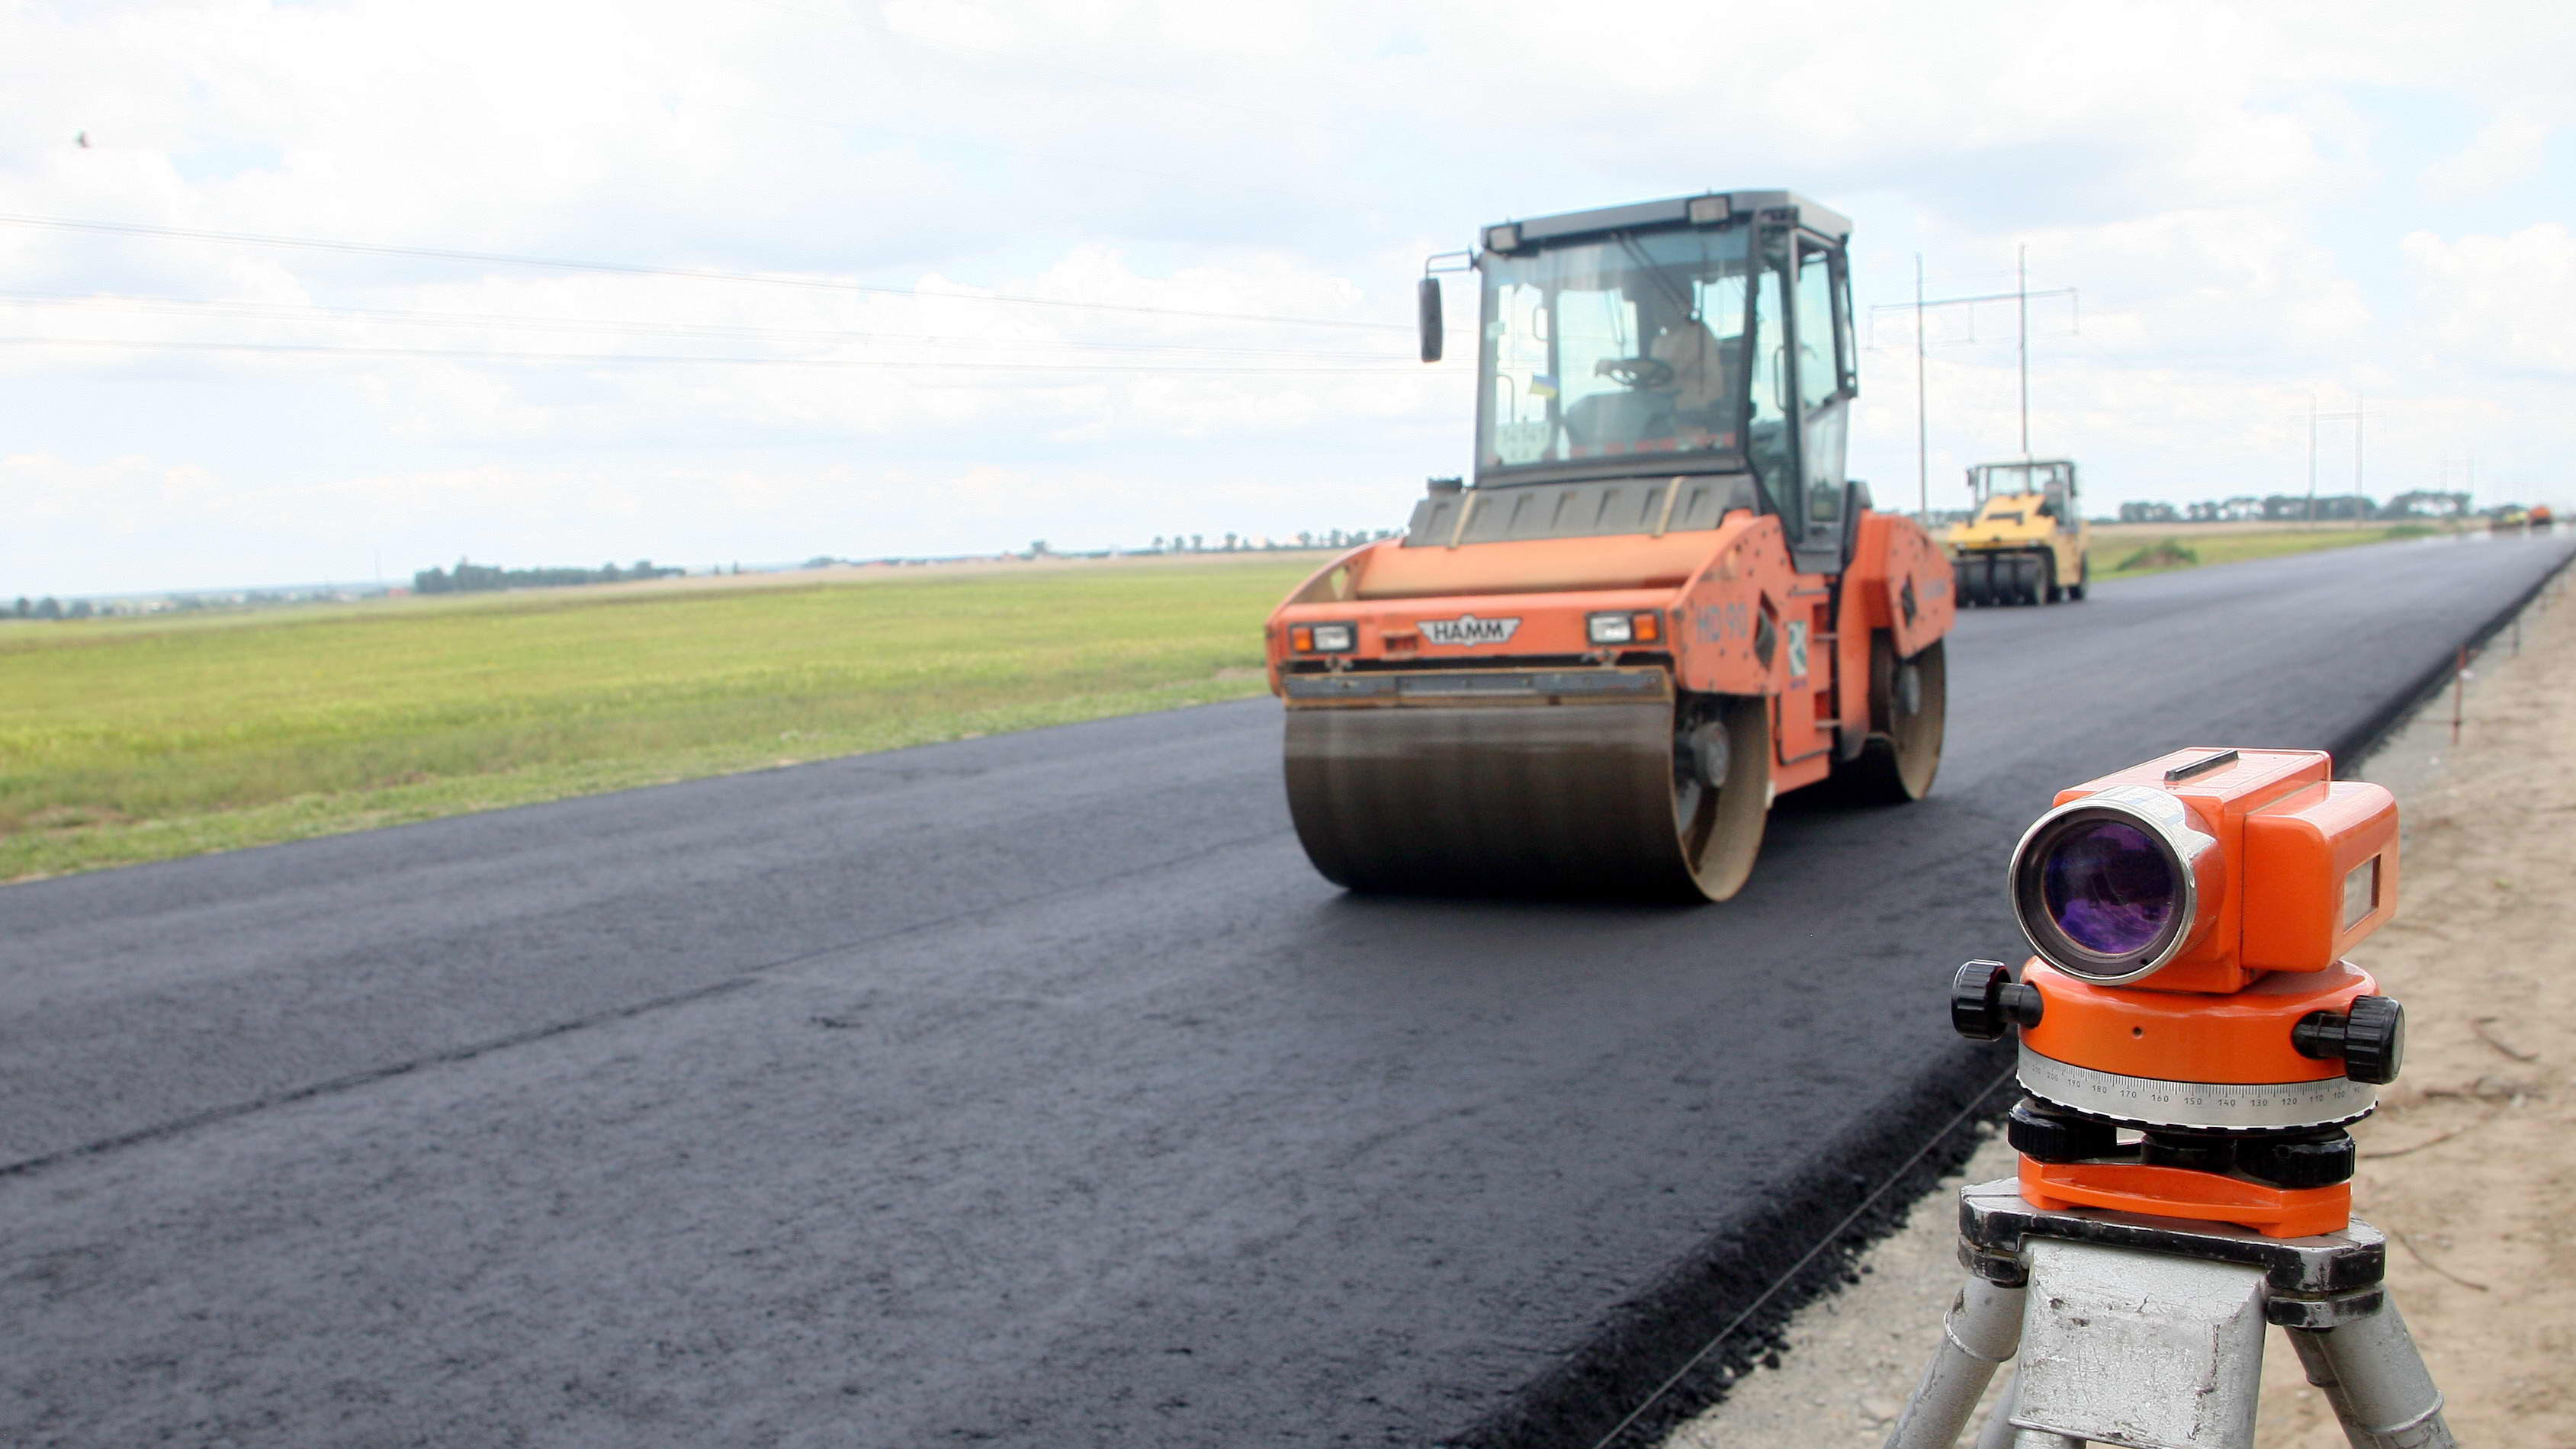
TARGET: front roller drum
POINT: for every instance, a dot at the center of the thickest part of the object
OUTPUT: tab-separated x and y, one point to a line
1585	800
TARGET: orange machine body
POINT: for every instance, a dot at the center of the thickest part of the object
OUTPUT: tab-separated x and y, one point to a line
2310	863
2181	1192
2242	1037
1722	609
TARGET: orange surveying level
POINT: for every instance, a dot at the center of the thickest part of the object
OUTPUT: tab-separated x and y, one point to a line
2192	1039
2193	1045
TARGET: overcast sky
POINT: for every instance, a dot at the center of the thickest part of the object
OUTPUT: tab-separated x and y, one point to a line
2263	208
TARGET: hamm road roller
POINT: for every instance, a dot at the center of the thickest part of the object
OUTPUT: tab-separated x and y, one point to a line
1658	603
2027	543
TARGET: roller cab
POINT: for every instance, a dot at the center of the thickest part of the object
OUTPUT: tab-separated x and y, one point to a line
1657	604
2027	543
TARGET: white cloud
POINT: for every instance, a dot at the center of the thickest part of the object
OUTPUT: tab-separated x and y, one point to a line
2194	168
2499	303
2508	150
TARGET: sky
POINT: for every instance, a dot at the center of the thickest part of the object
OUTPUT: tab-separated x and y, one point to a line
924	278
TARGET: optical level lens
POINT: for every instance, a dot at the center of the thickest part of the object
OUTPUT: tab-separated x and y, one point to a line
2108	887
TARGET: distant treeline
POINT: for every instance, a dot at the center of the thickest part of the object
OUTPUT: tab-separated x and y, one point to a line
2299	507
49	607
56	609
474	578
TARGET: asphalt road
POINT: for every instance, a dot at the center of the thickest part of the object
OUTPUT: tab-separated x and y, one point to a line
1032	1090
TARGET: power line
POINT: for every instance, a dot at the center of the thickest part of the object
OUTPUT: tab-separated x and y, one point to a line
186	306
2020	297
614	358
120	228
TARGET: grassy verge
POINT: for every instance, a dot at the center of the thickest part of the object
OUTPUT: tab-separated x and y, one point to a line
127	740
133	740
2130	550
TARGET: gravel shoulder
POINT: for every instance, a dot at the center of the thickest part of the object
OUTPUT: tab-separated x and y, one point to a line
2470	1163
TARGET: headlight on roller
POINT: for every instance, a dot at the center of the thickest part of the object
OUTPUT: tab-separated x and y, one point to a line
1635	628
1322	638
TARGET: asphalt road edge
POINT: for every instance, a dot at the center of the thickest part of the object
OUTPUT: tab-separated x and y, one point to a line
1672	1350
2355	744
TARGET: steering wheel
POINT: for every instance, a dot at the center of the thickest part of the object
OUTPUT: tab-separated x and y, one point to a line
1639	373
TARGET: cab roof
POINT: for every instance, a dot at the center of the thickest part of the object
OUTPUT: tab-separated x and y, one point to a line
1678	209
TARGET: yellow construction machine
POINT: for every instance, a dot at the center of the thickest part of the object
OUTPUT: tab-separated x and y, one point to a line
2027	542
1656	604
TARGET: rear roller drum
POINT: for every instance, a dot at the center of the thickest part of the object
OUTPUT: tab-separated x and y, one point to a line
1909	705
1721	788
1657	800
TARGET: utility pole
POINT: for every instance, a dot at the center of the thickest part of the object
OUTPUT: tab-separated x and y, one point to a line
2021	307
2468	494
1922	418
2314	418
2021	296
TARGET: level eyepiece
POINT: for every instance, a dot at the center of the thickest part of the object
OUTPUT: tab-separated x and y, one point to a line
2112	886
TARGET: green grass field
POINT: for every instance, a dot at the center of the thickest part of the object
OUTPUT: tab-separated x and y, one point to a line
125	740
2127	550
129	740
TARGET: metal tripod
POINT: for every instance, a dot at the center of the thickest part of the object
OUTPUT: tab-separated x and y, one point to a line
2148	1332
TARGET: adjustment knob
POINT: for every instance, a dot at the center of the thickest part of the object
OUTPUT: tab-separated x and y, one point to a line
2318	1159
2374	1039
2044	1133
1985	1000
2370	1038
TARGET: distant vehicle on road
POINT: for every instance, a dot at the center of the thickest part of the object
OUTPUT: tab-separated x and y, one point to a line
2027	543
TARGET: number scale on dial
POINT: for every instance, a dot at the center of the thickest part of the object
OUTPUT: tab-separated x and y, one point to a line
2155	1102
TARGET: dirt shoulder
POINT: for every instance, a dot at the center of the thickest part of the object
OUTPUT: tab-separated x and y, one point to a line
2470	1164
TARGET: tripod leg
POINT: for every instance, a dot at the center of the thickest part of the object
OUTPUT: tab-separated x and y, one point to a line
2376	1381
1980	1331
1999	1430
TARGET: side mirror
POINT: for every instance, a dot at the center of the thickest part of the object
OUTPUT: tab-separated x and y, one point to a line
1428	304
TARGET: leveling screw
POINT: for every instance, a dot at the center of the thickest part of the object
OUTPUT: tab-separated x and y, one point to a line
2370	1038
1985	1000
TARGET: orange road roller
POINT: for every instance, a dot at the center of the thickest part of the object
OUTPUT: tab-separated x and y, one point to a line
1658	603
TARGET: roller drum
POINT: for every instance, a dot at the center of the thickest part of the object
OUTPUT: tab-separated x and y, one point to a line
1590	799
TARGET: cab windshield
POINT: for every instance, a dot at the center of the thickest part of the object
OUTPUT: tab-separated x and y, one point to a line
1607	349
1996	479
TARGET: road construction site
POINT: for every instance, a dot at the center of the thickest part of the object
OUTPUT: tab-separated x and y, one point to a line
1035	1090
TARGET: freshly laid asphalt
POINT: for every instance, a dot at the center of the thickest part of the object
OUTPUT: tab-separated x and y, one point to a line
1033	1090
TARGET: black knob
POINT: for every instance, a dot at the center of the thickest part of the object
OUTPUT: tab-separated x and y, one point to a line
1985	1000
2045	1133
2319	1159
2370	1038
